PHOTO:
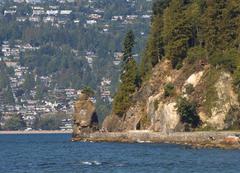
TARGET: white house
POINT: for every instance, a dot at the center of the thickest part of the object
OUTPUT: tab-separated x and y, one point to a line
38	12
34	19
21	19
65	12
48	19
9	12
52	12
91	22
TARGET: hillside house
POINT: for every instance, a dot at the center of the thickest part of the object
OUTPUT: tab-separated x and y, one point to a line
34	19
131	17
65	12
9	12
105	89
117	58
145	16
19	1
117	18
91	22
52	12
95	16
21	19
11	64
38	11
6	50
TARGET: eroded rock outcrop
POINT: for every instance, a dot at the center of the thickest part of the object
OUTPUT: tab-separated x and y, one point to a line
226	100
164	118
85	116
194	79
210	88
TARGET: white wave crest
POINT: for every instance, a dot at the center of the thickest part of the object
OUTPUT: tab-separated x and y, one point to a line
86	163
91	163
97	163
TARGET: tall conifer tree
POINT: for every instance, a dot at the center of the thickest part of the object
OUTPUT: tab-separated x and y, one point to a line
177	31
129	82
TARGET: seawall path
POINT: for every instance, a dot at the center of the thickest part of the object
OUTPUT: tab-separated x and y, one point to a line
219	139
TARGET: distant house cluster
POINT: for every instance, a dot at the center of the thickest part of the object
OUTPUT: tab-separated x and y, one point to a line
117	58
58	14
12	51
90	57
51	14
62	14
105	90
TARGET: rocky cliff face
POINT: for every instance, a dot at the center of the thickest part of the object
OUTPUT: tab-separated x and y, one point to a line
85	116
225	102
210	88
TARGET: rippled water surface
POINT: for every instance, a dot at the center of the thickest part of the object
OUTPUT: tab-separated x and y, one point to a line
56	154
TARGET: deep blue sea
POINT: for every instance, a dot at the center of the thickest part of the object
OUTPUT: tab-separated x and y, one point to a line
56	154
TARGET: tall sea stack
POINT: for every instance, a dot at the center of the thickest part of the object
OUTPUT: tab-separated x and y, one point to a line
85	116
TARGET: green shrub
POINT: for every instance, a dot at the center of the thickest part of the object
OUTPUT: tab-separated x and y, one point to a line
189	88
237	81
232	121
15	123
49	121
168	90
145	121
179	66
209	93
121	103
88	91
229	59
156	103
195	54
237	78
188	112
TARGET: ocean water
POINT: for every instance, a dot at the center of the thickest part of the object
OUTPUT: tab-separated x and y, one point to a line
56	154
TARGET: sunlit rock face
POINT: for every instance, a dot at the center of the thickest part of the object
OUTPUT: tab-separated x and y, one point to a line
210	88
164	117
85	116
227	100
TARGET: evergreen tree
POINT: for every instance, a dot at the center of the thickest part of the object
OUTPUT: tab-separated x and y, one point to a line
88	91
5	87
128	45
155	51
8	95
220	23
159	6
39	93
188	112
16	122
39	90
155	48
129	78
177	31
4	81
29	82
122	99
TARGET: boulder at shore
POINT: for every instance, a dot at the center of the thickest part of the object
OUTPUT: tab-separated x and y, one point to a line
85	116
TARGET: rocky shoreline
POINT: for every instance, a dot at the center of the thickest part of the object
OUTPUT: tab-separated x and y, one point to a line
210	139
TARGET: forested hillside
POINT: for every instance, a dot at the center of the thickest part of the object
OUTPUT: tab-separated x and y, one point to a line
207	30
190	69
